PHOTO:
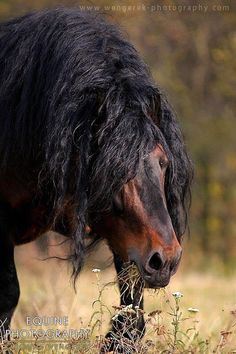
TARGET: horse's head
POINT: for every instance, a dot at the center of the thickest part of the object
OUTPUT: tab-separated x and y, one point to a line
139	228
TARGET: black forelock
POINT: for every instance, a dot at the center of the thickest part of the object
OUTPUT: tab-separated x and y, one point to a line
75	95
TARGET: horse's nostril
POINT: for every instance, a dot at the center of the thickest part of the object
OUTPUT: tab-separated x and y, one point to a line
156	262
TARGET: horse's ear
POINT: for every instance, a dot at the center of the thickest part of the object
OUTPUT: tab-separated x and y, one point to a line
155	106
154	117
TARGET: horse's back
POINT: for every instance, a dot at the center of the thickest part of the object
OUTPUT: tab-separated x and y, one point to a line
63	25
49	60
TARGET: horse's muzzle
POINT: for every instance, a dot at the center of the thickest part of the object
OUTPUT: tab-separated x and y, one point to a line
157	270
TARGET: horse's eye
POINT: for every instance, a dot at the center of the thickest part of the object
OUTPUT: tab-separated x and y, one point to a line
163	163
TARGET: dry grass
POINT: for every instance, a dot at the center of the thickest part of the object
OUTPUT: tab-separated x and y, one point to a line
171	328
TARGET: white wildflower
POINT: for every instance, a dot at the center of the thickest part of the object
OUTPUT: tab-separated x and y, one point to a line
177	295
96	270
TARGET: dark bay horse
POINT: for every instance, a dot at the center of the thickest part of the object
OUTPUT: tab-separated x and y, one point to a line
88	144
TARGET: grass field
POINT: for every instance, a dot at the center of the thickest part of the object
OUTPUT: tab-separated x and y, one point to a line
209	327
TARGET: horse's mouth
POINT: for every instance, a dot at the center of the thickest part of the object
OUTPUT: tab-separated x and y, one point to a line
155	281
152	281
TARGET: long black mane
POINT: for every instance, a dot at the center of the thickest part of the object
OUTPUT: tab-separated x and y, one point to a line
78	102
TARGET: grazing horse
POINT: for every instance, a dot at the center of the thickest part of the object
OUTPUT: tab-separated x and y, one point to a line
89	147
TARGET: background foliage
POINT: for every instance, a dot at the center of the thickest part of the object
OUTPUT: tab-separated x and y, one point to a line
192	55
